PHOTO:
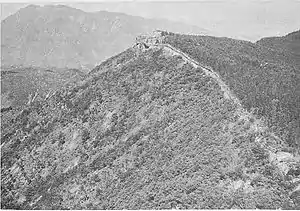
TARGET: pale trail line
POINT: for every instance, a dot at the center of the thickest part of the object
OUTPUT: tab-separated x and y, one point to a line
227	93
283	160
241	111
275	157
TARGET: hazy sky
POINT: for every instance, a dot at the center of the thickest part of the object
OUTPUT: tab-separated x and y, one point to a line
243	19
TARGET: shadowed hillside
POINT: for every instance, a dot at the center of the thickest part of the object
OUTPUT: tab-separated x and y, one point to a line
146	129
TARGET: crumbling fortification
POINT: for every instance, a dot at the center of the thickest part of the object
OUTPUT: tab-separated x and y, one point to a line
153	38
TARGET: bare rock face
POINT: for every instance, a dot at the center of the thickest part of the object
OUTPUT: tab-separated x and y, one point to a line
289	166
287	163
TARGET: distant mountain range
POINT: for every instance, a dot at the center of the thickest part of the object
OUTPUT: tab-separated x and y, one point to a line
174	121
61	36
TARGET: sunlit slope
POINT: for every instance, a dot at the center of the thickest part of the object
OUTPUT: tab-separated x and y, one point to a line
147	129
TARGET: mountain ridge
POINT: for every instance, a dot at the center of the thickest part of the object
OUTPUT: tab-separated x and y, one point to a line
208	71
149	128
289	43
248	67
61	36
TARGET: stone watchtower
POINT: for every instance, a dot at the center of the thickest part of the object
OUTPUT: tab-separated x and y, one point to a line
154	38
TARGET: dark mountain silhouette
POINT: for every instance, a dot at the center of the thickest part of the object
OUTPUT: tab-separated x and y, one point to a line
61	36
150	128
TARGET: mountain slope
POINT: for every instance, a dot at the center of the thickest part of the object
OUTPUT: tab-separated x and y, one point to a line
147	129
289	44
264	79
60	36
23	85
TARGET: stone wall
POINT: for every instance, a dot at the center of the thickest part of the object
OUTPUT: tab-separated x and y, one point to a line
155	37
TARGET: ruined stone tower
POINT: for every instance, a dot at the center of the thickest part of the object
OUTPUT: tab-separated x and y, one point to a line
153	38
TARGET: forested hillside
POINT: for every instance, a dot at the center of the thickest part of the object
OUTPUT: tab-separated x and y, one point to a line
22	85
290	44
266	80
146	129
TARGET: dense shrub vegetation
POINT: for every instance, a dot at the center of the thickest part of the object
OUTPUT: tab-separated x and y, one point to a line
19	85
289	44
266	80
144	131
